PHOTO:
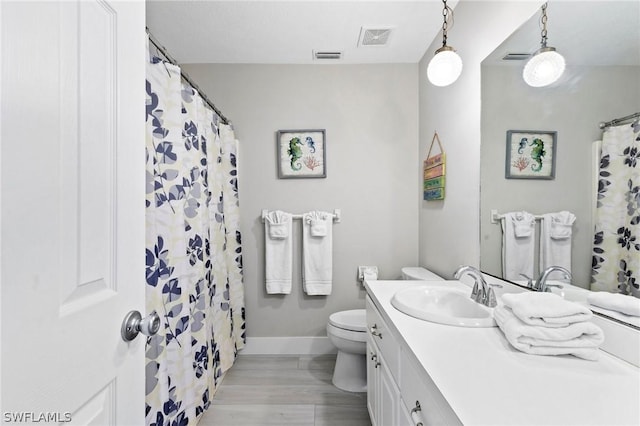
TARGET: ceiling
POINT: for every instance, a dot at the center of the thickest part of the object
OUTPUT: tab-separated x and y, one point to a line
585	32
288	32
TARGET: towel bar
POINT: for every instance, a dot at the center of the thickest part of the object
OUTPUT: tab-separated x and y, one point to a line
336	215
495	217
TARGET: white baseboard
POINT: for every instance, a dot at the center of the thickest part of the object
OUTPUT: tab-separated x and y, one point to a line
288	346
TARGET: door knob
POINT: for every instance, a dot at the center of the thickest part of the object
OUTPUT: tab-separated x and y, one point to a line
134	323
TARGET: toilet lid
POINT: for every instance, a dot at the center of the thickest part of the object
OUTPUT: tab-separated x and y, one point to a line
418	273
354	320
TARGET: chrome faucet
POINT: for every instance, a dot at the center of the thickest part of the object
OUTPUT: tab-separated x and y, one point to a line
541	284
481	293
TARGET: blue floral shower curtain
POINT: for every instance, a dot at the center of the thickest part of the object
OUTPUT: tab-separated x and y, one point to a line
193	249
616	250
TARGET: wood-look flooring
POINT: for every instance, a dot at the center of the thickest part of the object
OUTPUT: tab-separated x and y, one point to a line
284	390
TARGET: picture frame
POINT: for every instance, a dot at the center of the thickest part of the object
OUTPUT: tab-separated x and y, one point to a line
531	154
302	154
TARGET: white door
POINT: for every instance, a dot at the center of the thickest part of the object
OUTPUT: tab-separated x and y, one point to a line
71	211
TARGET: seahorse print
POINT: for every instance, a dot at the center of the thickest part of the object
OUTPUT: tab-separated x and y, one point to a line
295	153
537	154
522	145
311	143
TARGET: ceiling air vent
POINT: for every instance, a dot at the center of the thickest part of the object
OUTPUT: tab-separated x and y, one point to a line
374	37
327	54
516	56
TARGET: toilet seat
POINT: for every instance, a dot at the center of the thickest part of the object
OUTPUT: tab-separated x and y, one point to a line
353	320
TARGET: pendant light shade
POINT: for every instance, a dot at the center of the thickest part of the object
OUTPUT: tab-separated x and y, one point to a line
546	65
544	68
445	67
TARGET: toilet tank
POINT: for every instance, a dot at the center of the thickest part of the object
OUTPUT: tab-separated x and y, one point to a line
417	273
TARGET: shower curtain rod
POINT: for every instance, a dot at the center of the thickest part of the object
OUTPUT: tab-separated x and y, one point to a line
185	76
619	120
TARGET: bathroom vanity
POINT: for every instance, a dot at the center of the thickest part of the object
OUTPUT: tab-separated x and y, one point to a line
423	372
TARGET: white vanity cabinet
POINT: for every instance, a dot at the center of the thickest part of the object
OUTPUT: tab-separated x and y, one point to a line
383	354
399	393
470	376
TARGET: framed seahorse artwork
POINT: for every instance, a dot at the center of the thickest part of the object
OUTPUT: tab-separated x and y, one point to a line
302	154
531	154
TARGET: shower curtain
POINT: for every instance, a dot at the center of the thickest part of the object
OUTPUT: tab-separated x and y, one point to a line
616	250
193	249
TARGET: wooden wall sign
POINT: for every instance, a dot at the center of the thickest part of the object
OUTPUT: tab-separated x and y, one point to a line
434	173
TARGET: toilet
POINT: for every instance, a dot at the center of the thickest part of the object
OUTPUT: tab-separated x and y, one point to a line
347	330
420	274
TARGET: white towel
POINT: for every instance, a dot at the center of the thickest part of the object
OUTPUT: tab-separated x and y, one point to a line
317	253
555	242
518	241
545	309
278	249
624	303
318	227
580	339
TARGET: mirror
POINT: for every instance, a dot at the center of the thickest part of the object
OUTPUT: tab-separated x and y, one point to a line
601	44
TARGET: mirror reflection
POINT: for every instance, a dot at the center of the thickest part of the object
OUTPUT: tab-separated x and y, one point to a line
601	44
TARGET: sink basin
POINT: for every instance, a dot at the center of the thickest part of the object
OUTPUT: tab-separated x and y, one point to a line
443	305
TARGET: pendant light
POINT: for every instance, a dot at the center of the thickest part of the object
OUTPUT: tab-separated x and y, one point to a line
546	65
445	67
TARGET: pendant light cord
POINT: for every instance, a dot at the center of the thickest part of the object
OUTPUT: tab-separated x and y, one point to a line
446	13
543	21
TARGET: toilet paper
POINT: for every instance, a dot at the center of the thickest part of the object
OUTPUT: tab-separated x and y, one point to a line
370	273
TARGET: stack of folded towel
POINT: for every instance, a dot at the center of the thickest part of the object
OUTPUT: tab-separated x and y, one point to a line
620	306
546	324
624	303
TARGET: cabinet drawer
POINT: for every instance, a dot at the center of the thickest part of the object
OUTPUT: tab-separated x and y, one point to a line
416	387
380	334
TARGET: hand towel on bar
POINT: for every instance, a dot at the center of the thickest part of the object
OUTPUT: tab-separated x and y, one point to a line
623	303
545	309
518	241
580	339
318	227
317	253
278	249
555	242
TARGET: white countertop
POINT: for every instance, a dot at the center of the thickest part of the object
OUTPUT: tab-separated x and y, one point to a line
488	382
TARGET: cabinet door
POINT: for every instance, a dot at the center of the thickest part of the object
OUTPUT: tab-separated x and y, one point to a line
389	397
373	383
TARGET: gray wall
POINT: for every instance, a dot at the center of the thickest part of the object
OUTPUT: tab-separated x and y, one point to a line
370	113
573	107
449	229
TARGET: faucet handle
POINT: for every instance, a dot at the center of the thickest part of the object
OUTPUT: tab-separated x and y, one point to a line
478	294
491	298
529	280
475	291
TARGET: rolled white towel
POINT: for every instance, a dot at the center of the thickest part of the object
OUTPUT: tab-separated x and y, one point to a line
318	227
545	309
580	339
626	304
